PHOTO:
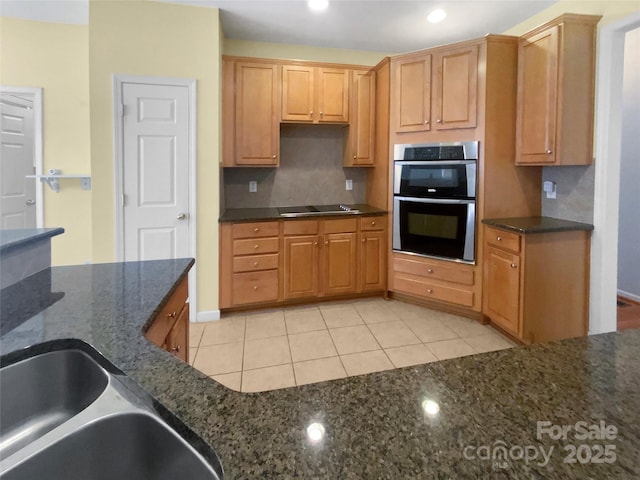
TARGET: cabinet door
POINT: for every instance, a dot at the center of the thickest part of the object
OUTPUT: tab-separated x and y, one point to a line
412	94
257	127
537	98
340	263
298	93
301	262
178	338
332	95
455	88
372	261
502	289
362	124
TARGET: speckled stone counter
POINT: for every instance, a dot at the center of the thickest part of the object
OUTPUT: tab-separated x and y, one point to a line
375	426
530	225
20	237
271	213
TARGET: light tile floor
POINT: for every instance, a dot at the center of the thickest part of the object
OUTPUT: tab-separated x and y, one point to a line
279	348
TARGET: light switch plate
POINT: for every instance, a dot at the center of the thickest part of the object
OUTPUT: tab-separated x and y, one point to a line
349	184
253	186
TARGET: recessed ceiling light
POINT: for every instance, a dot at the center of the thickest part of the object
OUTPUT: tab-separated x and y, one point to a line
318	5
437	15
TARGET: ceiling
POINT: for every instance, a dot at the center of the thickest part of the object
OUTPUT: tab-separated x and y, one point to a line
372	25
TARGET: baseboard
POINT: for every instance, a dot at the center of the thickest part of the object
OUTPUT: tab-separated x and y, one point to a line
207	316
628	295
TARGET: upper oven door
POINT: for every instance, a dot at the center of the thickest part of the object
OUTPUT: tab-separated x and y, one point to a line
442	179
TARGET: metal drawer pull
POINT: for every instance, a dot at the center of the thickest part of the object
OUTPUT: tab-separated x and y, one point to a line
429	270
373	224
499	239
256	229
549	152
256	246
255	264
429	290
364	240
176	349
513	265
255	287
172	315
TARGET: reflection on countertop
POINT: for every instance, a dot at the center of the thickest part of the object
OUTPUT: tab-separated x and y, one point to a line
438	420
276	213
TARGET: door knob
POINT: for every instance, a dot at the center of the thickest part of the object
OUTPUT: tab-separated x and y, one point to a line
181	216
31	202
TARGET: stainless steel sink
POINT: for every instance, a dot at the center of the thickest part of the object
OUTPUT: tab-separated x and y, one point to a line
132	446
42	392
65	416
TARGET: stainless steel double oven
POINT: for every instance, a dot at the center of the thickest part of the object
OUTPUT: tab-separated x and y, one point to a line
434	202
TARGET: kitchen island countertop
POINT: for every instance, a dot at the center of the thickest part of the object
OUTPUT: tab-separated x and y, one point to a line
376	425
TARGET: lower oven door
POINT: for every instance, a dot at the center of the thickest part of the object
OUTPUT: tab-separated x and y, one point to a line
441	228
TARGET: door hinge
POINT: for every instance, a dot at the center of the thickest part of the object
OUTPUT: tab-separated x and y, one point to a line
123	200
123	109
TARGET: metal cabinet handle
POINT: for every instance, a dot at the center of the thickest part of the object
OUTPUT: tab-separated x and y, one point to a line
256	229
256	246
426	122
172	315
176	349
255	264
498	238
429	290
373	224
255	287
549	152
315	243
438	121
326	242
513	265
354	157
429	270
321	114
274	156
364	240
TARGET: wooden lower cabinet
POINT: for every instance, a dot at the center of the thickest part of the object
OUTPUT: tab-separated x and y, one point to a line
340	263
536	286
170	328
301	266
306	260
435	280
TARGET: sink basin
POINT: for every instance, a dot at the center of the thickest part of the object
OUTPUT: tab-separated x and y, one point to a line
129	445
42	392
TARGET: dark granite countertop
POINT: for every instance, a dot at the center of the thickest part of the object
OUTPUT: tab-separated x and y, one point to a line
527	225
375	425
271	213
19	237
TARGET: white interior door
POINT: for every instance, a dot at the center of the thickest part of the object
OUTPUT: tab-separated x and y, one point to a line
155	139
17	193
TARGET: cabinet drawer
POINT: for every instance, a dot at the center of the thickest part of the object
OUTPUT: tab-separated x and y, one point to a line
431	291
254	287
254	230
342	225
372	223
300	227
253	246
164	321
462	274
502	239
252	263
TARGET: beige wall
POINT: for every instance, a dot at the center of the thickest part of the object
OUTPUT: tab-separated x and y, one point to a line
55	57
611	11
245	48
157	39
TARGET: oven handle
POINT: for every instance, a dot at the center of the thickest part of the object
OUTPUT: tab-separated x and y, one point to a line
436	163
450	201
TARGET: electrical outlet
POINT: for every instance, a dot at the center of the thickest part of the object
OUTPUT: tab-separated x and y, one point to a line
253	186
349	184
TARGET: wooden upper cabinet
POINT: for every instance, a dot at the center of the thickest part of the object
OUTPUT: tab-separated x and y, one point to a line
257	129
455	88
315	94
359	149
555	106
436	91
412	94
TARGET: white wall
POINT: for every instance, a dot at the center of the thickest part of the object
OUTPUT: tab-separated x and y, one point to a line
629	223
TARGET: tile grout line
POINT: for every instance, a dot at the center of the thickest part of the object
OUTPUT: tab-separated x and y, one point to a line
286	332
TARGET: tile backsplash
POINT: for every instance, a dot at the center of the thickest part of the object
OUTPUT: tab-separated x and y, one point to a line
310	172
574	186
